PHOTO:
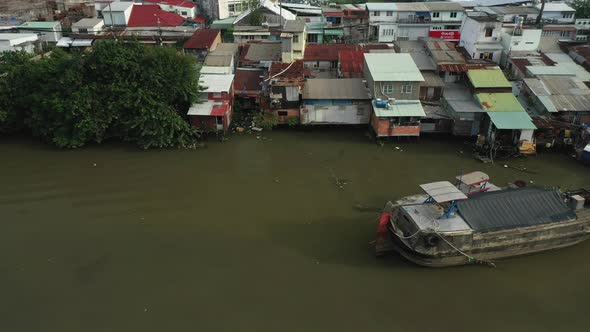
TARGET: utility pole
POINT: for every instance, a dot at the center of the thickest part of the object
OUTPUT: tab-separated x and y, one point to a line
112	22
159	30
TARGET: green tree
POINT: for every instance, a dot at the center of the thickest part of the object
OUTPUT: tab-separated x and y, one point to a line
123	90
582	8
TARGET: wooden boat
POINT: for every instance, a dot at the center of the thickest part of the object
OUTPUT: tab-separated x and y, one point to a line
445	227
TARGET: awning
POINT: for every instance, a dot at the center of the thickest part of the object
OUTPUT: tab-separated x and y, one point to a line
333	32
458	68
219	110
64	42
423	14
511	120
443	191
82	42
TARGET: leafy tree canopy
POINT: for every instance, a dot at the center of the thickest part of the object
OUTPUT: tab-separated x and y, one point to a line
582	8
119	90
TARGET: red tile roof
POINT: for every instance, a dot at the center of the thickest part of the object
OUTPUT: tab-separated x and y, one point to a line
351	61
247	80
198	19
201	39
325	52
148	15
177	3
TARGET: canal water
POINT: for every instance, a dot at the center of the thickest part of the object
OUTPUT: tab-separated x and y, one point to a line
267	233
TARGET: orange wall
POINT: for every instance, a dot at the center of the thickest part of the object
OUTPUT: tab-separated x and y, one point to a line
383	129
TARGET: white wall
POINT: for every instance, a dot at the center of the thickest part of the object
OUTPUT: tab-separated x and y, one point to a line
189	12
529	41
446	17
473	32
335	114
387	32
120	18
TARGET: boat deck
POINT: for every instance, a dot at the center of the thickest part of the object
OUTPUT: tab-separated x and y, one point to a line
426	217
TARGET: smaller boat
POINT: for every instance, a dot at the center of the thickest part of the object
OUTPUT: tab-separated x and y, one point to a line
477	222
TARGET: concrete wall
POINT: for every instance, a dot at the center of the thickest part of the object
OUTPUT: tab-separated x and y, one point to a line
445	16
336	114
383	128
397	91
26	47
413	32
558	16
529	41
120	18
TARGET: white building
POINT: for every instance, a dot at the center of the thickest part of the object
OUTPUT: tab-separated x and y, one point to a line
117	13
519	40
184	8
49	32
221	9
91	26
446	18
17	42
557	12
410	21
481	36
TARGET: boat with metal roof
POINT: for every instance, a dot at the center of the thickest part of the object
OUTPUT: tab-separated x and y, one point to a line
477	222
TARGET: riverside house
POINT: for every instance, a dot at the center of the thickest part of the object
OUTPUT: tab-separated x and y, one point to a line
394	85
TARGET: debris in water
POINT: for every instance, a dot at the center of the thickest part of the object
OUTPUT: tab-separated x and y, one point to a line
257	129
397	147
505	166
94	165
460	151
276	180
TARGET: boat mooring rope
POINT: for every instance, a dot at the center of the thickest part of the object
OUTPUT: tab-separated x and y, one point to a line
435	228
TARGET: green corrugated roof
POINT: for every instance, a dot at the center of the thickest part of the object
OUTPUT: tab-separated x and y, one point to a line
499	102
488	78
39	25
226	23
511	120
400	108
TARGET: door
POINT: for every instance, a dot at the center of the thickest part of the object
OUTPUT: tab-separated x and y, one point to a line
219	121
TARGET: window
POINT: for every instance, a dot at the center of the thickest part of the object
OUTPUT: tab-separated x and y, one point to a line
81	30
568	15
219	120
376	13
486	55
387	88
407	87
436	27
389	13
453	14
334	64
283	113
435	14
296	38
565	34
489	31
183	13
312	38
452	27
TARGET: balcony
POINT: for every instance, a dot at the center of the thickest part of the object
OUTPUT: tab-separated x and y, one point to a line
415	20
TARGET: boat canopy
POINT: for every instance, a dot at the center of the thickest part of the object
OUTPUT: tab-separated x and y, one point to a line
443	191
514	208
473	178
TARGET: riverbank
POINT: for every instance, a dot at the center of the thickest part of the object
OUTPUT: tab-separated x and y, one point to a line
257	235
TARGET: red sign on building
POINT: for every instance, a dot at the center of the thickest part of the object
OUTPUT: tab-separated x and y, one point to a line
445	34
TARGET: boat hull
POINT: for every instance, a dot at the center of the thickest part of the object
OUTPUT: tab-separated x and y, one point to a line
480	248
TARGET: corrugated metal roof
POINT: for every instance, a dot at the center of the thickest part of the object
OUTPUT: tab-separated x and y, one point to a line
499	102
401	108
444	6
488	78
432	80
555	7
511	120
411	7
422	61
381	6
294	26
331	88
443	191
39	25
218	60
513	208
392	67
264	52
216	83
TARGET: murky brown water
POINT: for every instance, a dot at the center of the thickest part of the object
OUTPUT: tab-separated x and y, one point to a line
254	235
